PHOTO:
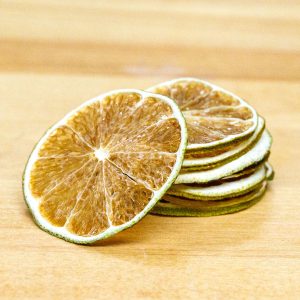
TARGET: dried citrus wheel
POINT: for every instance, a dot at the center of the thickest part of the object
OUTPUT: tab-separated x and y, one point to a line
214	116
192	160
220	191
254	156
181	207
105	165
244	173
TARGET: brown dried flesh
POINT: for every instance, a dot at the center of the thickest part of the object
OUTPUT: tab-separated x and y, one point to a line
87	195
210	115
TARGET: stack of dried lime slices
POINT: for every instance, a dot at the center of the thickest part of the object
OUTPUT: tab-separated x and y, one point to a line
225	167
106	164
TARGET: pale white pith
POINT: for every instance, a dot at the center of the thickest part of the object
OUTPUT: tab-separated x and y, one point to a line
33	203
254	155
219	191
195	162
231	202
228	138
101	154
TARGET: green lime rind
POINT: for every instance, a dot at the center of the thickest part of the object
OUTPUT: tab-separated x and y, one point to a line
189	212
244	173
220	191
61	232
222	147
170	209
255	156
231	139
270	171
212	204
200	169
236	176
223	163
228	156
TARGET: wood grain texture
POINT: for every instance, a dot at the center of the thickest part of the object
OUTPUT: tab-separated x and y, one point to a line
56	54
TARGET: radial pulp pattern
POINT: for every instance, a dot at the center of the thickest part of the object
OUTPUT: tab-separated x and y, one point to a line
103	167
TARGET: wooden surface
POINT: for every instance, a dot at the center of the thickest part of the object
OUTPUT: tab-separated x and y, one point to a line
56	54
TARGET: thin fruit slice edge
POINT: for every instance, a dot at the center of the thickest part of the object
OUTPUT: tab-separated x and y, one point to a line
236	176
214	151
207	205
84	138
270	171
254	156
220	191
212	102
167	208
244	173
229	155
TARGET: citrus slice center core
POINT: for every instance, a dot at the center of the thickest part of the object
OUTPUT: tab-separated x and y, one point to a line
101	154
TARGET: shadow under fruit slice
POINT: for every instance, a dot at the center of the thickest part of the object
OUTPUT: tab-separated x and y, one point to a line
181	207
214	116
104	166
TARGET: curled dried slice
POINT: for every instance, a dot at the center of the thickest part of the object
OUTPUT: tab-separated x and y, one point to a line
220	191
214	116
270	173
104	165
191	160
253	157
182	207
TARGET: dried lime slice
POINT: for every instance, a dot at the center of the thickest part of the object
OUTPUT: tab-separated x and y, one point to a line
191	160
242	174
220	191
214	116
253	157
180	207
104	165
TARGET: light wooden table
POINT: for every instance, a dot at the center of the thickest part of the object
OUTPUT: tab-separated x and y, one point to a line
55	54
